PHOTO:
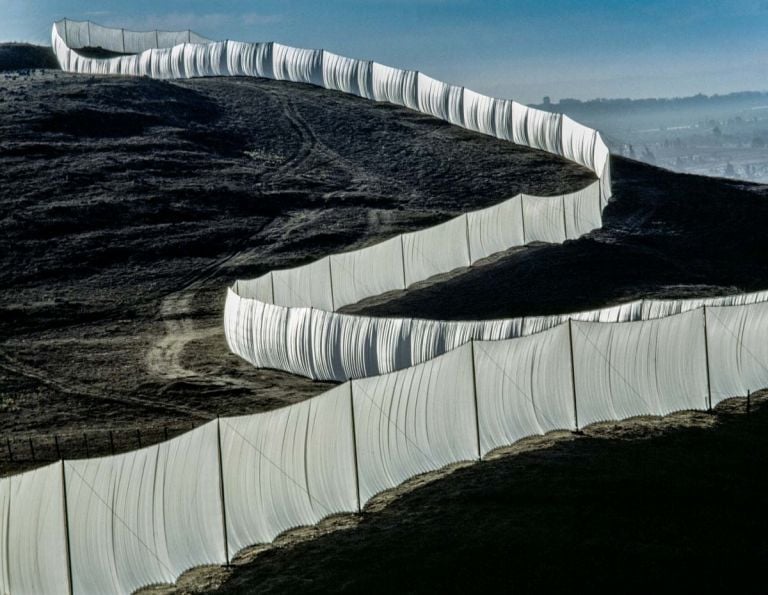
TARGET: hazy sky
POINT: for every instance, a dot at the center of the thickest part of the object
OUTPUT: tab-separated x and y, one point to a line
522	49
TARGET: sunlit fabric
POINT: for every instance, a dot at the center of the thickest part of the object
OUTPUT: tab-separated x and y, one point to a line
426	394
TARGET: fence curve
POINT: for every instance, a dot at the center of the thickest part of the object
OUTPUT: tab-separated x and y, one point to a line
115	524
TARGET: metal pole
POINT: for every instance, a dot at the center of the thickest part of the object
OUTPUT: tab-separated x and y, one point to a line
221	491
402	254
31	448
88	24
138	436
474	394
66	527
573	376
354	447
469	245
330	276
272	285
122	33
565	221
522	216
157	40
56	442
706	359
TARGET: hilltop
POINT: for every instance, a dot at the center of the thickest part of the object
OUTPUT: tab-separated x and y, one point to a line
26	56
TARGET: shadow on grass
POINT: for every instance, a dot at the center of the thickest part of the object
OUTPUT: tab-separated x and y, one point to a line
641	505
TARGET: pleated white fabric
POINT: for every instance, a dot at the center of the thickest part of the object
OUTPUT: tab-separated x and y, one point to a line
524	387
370	271
413	421
650	367
343	74
578	142
495	229
545	220
288	467
297	65
146	516
738	349
582	211
394	85
257	60
304	286
479	112
33	547
544	130
436	250
440	100
260	289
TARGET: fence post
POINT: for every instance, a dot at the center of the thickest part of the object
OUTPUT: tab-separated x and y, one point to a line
330	276
706	359
573	377
474	394
469	244
221	491
66	527
565	220
522	216
402	256
157	40
354	447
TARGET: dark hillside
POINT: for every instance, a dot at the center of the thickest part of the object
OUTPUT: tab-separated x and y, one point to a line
25	56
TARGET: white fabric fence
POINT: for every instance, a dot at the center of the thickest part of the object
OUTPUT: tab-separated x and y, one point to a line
115	524
332	346
295	342
426	393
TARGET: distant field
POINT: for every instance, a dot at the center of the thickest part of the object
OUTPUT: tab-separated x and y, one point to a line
721	135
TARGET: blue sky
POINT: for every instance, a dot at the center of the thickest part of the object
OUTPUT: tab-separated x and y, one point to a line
522	49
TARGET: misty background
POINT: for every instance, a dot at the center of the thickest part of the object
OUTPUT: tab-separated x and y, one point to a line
711	54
